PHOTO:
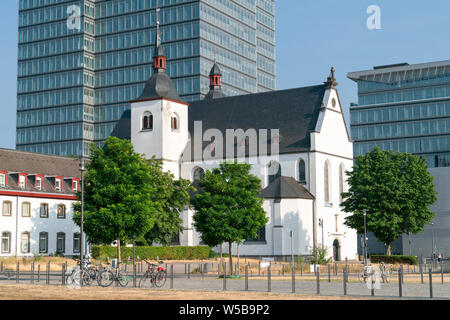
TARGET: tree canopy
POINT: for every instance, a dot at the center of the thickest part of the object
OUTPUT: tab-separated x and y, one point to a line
127	197
229	208
395	188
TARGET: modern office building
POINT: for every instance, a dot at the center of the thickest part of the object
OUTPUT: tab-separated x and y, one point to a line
406	108
80	62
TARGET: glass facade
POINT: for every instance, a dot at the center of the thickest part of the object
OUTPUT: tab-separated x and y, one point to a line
75	83
405	109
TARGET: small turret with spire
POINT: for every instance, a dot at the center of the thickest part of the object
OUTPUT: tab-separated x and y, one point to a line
331	80
215	85
159	57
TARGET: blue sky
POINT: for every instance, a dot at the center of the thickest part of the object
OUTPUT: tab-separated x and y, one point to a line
312	36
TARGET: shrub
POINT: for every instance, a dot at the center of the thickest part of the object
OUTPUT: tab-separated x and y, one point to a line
150	252
394	259
319	256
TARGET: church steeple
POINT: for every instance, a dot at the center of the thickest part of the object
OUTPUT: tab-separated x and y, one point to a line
159	57
215	83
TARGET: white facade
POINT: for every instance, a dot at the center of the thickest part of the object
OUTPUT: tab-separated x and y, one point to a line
330	144
20	227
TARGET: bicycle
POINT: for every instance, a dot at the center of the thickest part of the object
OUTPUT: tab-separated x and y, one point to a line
156	273
89	273
385	273
365	274
107	277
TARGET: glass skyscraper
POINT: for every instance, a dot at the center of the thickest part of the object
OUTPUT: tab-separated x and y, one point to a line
404	108
80	62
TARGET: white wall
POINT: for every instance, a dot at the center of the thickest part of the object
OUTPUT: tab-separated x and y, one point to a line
16	224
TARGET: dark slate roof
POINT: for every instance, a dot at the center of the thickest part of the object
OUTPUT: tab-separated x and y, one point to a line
294	112
33	164
159	52
215	70
215	93
286	188
159	86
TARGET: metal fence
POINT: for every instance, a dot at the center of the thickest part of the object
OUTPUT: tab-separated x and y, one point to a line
335	279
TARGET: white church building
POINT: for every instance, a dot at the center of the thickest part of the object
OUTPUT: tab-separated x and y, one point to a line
296	140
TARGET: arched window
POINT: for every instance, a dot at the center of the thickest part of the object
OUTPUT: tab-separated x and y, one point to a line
326	182
25	242
174	122
273	171
147	121
60	242
301	171
341	181
43	242
199	174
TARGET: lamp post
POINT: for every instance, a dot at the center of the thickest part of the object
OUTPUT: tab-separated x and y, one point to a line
82	169
321	225
365	237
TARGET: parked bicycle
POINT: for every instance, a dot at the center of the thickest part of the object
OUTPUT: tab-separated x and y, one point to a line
155	274
107	276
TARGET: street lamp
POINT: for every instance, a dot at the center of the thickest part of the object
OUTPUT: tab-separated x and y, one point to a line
321	225
82	169
365	237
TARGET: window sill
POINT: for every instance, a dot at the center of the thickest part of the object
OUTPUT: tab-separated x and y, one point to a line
146	130
328	204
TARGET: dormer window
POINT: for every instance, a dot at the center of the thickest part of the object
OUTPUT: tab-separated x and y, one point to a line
22	181
39	183
58	184
2	180
147	121
74	185
174	122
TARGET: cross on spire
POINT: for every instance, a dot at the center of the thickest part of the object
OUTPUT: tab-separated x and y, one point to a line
331	80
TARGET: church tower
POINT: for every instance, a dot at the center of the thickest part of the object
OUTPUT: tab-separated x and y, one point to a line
159	117
215	85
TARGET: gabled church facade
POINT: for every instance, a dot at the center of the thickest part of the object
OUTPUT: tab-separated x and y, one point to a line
296	141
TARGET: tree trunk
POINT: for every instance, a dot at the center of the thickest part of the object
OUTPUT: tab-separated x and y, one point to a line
118	250
230	249
388	249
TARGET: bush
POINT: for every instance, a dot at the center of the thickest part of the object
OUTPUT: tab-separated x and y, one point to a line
149	252
393	259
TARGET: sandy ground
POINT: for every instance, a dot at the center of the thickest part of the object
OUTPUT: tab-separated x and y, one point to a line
36	292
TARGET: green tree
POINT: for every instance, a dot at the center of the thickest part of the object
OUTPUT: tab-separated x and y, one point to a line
395	188
125	194
171	198
229	208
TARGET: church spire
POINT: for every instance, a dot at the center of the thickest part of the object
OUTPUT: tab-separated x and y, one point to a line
159	57
331	80
215	82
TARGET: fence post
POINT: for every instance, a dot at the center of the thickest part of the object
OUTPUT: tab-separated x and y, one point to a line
421	273
329	273
442	274
431	283
259	268
293	279
39	273
189	270
246	277
400	281
1	266
317	270
269	284
63	278
171	276
224	278
32	273
17	272
345	280
401	273
48	273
